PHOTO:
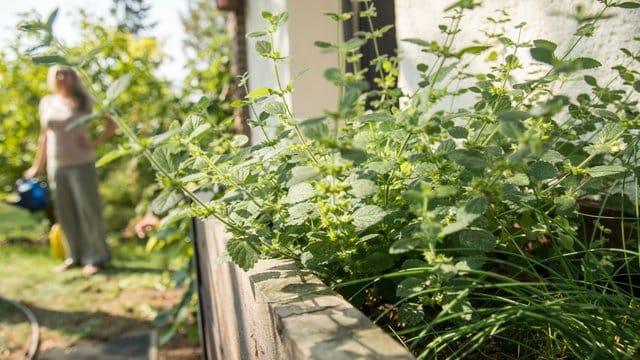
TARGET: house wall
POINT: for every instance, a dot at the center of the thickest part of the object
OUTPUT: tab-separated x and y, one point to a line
546	19
312	94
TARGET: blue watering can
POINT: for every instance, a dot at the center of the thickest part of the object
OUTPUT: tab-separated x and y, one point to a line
32	194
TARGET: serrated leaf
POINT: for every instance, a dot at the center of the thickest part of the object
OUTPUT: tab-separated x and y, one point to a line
543	55
541	170
545	44
239	140
590	80
316	129
263	47
275	108
159	139
605	170
362	188
302	173
552	156
609	115
164	159
165	202
303	212
299	193
610	130
480	240
471	159
467	214
111	155
367	216
458	132
409	286
411	314
118	87
518	179
244	251
565	205
199	131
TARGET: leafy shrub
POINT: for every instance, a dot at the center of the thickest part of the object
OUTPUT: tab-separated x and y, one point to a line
459	228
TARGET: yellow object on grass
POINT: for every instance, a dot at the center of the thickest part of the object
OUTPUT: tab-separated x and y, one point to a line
55	242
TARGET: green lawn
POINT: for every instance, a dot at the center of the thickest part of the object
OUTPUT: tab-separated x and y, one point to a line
122	298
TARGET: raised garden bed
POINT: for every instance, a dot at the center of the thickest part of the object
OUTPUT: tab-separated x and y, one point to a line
276	311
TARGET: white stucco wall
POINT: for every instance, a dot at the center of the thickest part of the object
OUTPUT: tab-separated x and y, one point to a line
312	94
546	19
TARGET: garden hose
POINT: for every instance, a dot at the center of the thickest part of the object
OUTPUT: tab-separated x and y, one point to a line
35	328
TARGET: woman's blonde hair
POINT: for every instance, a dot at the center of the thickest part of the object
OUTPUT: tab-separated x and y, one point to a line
79	96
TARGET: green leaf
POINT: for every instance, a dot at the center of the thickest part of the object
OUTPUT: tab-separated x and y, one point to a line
409	286
512	128
605	170
466	215
545	44
110	156
302	173
367	216
565	205
410	314
299	193
518	179
610	130
323	44
376	117
541	170
543	55
244	251
628	5
316	129
117	87
353	44
609	115
475	50
160	138
256	34
199	130
636	85
585	63
165	159
52	18
82	120
239	140
458	132
586	30
50	60
471	159
263	47
275	108
303	212
362	188
418	42
590	80
165	202
377	263
477	239
258	93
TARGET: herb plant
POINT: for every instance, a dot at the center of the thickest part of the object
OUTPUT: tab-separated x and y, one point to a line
459	227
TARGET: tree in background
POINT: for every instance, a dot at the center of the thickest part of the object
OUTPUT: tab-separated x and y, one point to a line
131	15
22	85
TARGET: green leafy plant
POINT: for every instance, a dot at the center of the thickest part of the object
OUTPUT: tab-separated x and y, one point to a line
457	225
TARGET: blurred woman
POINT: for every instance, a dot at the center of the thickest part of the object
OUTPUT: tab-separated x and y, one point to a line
70	163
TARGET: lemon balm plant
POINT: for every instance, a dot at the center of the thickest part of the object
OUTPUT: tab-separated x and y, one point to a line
457	227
